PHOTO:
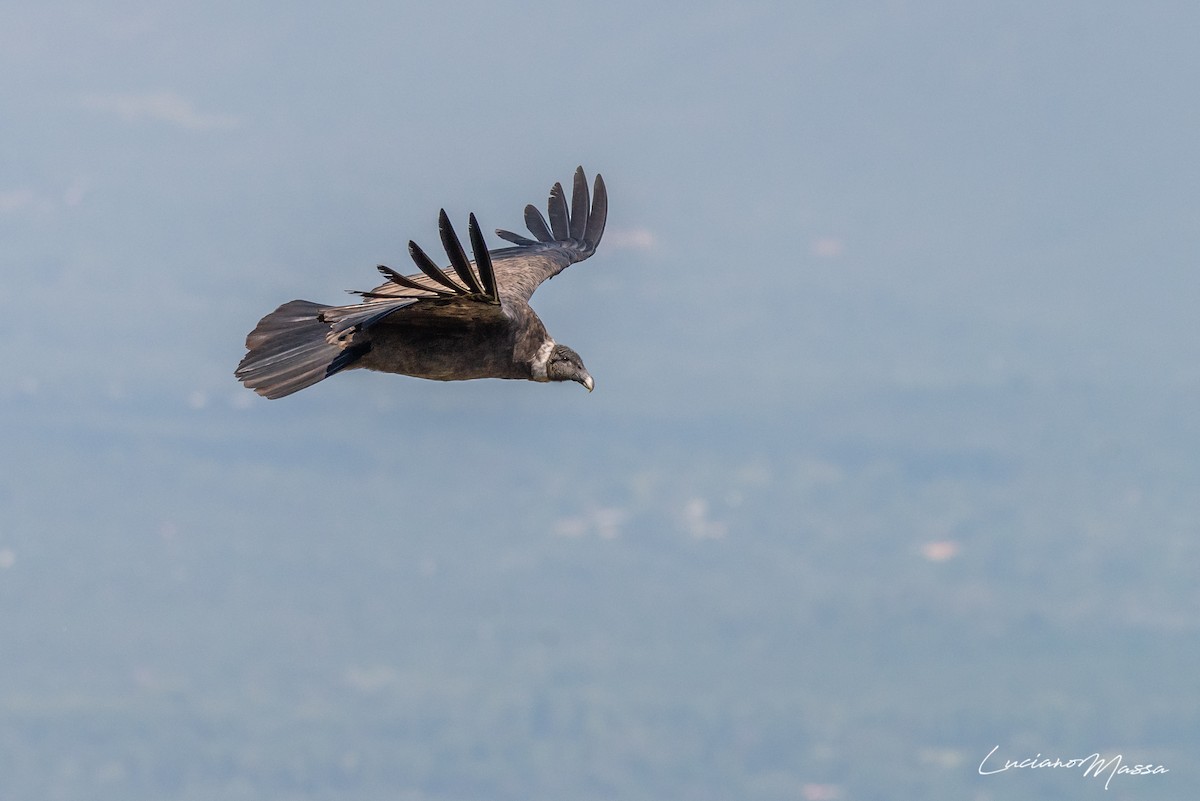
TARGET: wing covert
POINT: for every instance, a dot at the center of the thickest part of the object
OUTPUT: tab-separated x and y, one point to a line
473	296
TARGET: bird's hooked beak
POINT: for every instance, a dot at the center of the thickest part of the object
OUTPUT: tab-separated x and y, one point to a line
587	381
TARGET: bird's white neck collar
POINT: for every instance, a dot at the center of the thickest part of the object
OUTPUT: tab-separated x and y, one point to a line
541	360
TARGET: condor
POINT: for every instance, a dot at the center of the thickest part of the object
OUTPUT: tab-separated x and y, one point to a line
469	320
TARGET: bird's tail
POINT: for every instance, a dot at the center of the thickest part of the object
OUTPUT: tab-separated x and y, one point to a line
290	349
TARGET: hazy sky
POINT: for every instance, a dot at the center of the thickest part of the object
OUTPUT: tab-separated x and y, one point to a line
805	196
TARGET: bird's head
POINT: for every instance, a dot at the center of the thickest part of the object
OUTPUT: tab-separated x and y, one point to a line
564	364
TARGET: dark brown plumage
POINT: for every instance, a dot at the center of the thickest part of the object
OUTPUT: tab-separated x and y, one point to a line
469	320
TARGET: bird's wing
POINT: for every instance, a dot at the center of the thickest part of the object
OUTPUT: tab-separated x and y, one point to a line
497	282
464	291
572	235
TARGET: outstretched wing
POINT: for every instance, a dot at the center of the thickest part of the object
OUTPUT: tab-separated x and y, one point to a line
495	281
434	291
572	235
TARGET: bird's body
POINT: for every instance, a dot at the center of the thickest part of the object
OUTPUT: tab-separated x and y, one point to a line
476	349
470	320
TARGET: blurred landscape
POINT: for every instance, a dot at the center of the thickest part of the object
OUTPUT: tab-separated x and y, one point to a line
892	457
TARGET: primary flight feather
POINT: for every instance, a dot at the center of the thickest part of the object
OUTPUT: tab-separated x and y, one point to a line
471	319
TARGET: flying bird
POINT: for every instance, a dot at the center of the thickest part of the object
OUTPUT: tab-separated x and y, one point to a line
469	320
